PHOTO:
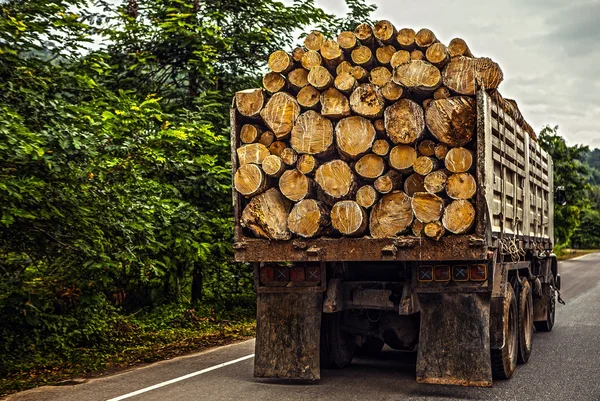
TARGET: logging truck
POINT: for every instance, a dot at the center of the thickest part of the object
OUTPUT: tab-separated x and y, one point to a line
412	208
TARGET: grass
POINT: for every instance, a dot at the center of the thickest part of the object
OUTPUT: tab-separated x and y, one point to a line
566	254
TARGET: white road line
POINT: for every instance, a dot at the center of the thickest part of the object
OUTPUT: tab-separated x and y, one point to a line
178	379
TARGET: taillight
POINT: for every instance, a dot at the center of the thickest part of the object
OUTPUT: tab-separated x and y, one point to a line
478	272
442	273
460	273
425	274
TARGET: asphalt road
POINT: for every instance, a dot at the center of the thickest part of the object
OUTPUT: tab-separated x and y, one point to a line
565	365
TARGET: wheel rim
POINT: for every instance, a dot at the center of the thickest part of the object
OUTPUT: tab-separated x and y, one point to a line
512	330
527	322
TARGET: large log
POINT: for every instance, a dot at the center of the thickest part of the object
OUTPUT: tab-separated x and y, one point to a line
250	102
461	186
309	218
435	182
273	166
309	97
348	218
453	120
406	38
399	57
273	82
364	33
425	38
414	183
334	104
380	76
384	54
363	56
388	182
437	54
381	147
252	153
312	134
366	196
250	133
295	186
459	216
336	180
434	230
311	59
289	156
385	31
404	122
459	160
347	41
345	83
354	136
332	54
314	40
307	164
391	91
391	215
458	47
463	74
425	165
280	114
280	62
320	77
367	101
266	215
370	166
249	180
298	78
427	207
418	76
402	157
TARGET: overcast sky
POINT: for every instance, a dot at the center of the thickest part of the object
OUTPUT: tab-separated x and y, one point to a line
549	51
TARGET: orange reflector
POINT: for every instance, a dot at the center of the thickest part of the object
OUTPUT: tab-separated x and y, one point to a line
442	273
460	273
425	274
478	272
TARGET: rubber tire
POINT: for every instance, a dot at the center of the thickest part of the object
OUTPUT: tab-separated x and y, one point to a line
504	360
337	347
525	322
548	324
371	347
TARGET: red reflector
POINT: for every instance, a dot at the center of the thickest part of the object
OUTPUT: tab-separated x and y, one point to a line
478	272
460	273
425	274
267	274
297	274
442	273
313	274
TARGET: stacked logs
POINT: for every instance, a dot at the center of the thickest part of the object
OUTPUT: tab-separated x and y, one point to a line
369	134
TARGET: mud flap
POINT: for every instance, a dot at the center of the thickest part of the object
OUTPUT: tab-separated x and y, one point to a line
288	329
454	340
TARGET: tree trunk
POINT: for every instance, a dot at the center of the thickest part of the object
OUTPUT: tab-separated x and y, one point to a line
385	31
459	216
280	62
354	137
250	133
425	38
298	78
347	41
425	165
320	78
332	54
406	38
463	74
312	134
307	164
252	153
289	156
277	147
388	182
370	166
402	157
418	76
381	147
413	184
266	215
348	218
461	186
314	41
391	215
380	76
345	83
427	207
308	97
441	150
295	186
273	166
249	180
334	104
384	54
311	59
404	121
364	33
280	114
400	57
267	138
336	181
437	54
435	182
366	196
309	218
434	230
273	82
453	120
426	148
458	47
459	160
197	283
367	101
250	102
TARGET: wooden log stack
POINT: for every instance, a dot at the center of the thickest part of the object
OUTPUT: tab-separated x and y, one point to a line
369	134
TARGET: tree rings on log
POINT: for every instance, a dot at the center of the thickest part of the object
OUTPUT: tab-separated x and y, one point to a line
406	38
404	121
273	166
252	153
435	182
370	166
402	157
364	33
458	47
418	75
280	62
400	57
426	148
250	133
311	59
463	74
312	134
434	230
250	102
314	40
366	196
437	54
298	78
453	120
459	160
336	180
334	104
266	215
367	101
385	31
425	38
425	165
391	91
459	216
384	54
308	97
289	156
348	218
249	180
391	215
354	136
307	164
347	40
280	114
380	76
427	207
381	147
320	77
294	185
461	186
273	82
277	147
309	218
388	182
345	83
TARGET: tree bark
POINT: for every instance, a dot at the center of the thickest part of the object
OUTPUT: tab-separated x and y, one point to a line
336	180
289	156
404	121
425	38
311	59
388	182
320	78
249	180
459	160
414	183
298	78
370	166
391	215
308	97
402	157
435	182
458	47
366	196
434	230
385	31
345	83
250	133
307	164
295	186
380	76
463	74
354	137
406	38
252	153
367	101
273	166
459	216
250	102
384	54
312	134
280	62
381	147
314	41
425	165
273	82
280	114
334	104
348	218
266	215
418	76
461	186
427	207
453	120
437	54
309	218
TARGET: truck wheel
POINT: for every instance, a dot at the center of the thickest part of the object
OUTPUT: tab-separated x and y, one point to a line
371	347
546	325
525	322
504	360
337	347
